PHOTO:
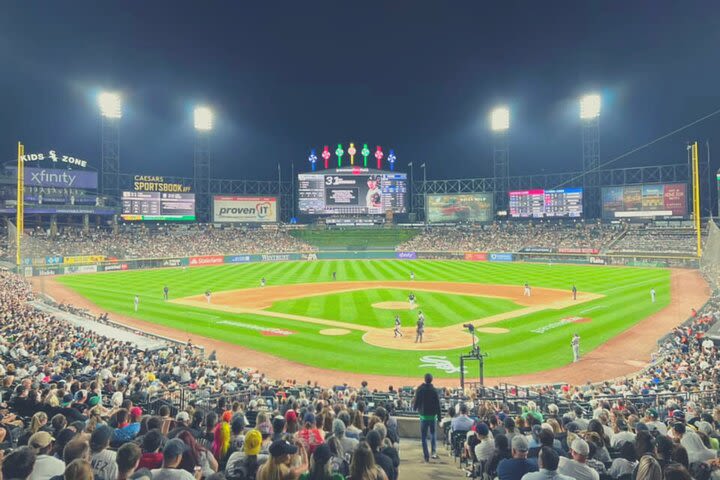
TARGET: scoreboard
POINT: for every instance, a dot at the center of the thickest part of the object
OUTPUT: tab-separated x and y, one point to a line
563	202
158	206
352	191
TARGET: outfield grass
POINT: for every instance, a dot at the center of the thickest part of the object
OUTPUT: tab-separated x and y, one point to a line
627	301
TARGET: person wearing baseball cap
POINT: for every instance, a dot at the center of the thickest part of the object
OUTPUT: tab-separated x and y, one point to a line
46	465
281	458
514	468
577	467
484	450
172	456
102	458
249	458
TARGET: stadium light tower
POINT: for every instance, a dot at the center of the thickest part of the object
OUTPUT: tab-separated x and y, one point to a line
203	120
500	126
590	117
110	104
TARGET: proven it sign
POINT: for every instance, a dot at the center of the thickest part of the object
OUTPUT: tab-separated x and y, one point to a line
244	209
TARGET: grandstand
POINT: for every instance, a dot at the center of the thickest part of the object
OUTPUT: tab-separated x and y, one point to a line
367	238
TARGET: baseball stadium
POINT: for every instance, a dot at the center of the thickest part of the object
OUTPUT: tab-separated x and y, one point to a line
313	322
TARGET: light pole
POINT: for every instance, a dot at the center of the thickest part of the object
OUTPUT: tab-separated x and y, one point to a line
412	189
203	121
590	117
110	104
500	125
424	191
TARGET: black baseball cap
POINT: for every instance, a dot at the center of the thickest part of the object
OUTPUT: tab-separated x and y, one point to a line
281	447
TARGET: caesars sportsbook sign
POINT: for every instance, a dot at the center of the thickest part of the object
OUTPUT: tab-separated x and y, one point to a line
244	209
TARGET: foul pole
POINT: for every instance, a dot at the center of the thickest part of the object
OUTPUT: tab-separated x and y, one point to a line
20	212
696	197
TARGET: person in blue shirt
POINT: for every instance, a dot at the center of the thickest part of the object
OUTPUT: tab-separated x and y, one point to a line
548	460
514	468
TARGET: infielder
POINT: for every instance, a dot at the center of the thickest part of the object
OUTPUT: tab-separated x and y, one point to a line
526	293
411	299
334	276
652	294
166	293
574	292
262	282
576	347
420	329
207	295
398	333
136	302
412	275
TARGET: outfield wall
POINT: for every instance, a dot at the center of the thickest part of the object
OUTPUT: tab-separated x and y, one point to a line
50	266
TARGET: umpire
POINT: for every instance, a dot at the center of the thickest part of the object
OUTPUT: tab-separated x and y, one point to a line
427	403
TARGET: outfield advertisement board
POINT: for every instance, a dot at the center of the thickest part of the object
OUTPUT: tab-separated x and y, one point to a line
406	255
228	209
206	260
476	256
465	207
58	178
647	200
238	259
500	257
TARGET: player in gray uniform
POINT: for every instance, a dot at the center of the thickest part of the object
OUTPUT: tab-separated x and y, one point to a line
420	329
576	347
398	332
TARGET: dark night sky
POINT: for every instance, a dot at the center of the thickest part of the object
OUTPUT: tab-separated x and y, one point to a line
416	76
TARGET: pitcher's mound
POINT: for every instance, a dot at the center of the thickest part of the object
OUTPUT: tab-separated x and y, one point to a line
395	306
334	331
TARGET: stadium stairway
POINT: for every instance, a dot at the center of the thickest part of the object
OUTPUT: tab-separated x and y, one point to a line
412	466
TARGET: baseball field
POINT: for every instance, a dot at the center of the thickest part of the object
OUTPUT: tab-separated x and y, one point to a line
305	317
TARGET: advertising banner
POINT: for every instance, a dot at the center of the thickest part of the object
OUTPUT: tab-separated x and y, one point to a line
589	251
81	269
406	255
467	207
244	209
83	259
500	257
238	259
476	256
537	250
647	200
115	267
207	260
596	260
173	262
58	178
147	183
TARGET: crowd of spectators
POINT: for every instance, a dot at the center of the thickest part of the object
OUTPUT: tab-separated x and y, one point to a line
514	237
132	241
667	240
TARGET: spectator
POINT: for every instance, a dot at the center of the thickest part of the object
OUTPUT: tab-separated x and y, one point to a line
79	470
196	456
310	436
462	423
245	463
576	467
363	465
374	441
348	444
648	469
517	466
548	460
279	466
19	464
427	403
320	466
151	457
46	466
485	449
625	464
128	459
101	458
172	456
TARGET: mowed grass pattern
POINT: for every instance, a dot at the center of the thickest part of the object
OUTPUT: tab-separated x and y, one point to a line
520	351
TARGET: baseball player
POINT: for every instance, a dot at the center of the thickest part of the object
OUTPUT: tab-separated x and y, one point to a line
398	333
576	347
412	275
208	295
574	292
420	328
166	293
526	293
262	282
652	294
411	299
334	276
136	302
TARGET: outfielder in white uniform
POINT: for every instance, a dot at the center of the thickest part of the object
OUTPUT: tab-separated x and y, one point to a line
652	295
576	347
136	302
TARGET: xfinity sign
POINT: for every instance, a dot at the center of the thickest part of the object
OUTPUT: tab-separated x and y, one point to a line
244	209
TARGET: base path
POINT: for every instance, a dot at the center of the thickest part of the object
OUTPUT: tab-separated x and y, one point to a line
622	355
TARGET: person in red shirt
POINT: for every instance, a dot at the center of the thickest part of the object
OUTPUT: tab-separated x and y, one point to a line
310	436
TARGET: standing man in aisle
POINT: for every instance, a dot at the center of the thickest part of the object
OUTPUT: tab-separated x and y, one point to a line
427	404
576	347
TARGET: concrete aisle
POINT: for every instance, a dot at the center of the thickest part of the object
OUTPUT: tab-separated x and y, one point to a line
412	466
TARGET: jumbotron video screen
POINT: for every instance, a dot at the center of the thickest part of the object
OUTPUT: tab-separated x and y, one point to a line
352	191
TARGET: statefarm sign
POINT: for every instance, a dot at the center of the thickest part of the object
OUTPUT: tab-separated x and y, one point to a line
244	209
206	260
